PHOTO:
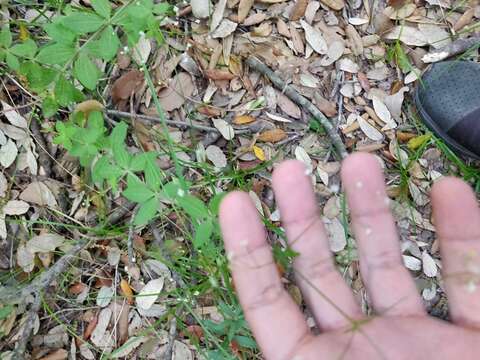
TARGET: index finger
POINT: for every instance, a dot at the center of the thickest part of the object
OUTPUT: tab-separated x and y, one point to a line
277	323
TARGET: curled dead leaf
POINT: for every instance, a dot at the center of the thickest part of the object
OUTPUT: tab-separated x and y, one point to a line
298	9
273	136
126	84
217	74
88	106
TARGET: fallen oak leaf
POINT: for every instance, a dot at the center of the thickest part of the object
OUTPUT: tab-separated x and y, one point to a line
126	84
272	136
217	74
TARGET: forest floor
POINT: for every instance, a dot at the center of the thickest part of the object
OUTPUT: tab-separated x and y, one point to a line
123	123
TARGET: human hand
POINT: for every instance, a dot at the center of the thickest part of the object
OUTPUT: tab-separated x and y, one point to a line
401	329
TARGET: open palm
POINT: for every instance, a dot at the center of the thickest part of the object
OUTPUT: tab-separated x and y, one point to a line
401	329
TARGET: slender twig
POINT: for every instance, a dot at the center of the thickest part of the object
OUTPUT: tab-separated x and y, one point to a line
289	91
172	334
131	228
179	124
44	157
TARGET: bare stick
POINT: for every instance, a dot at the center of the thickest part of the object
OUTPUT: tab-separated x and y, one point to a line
180	124
131	254
44	157
289	91
457	47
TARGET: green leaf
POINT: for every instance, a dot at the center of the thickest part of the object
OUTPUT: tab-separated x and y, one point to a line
5	37
86	72
57	54
105	170
5	311
83	22
137	163
214	204
152	172
117	143
26	49
163	9
137	191
66	93
49	107
203	232
193	206
12	61
147	212
65	133
60	33
39	77
172	189
245	342
102	8
106	46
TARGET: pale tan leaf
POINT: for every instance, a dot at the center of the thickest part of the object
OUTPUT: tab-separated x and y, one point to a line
383	113
142	49
394	102
216	156
14	117
336	234
201	8
243	9
400	13
149	294
409	35
44	243
3	185
38	193
301	154
314	38
429	266
15	207
411	262
8	154
217	15
435	35
369	130
174	96
225	28
25	259
104	296
225	128
298	9
334	4
288	106
100	336
356	43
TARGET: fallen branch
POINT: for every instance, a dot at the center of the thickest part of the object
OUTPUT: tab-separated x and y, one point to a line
456	47
179	124
289	91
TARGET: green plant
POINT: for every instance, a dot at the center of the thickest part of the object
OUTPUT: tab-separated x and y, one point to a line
77	39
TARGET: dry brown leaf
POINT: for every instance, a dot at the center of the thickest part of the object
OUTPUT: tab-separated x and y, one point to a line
298	9
369	130
409	35
217	74
243	9
400	13
88	106
122	325
127	291
288	106
464	20
356	43
243	119
254	19
216	156
38	193
397	4
282	28
328	108
297	41
59	354
77	288
273	136
126	85
92	324
334	4
225	28
180	88
217	15
314	38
